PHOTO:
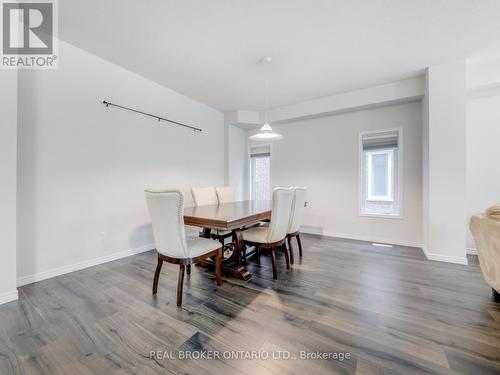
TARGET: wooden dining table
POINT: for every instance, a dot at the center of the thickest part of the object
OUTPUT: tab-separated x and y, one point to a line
229	217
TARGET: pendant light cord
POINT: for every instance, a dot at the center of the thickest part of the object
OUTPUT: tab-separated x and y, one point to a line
266	104
266	132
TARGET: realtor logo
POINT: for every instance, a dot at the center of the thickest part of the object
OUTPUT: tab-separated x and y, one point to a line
29	34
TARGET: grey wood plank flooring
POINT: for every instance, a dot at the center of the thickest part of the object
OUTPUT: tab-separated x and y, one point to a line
390	308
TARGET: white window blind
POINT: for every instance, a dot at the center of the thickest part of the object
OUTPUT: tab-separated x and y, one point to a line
380	140
260	152
260	172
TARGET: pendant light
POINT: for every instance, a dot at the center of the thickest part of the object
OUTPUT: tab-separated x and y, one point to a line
266	132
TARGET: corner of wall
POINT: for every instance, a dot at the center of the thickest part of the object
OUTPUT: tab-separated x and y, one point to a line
8	184
444	172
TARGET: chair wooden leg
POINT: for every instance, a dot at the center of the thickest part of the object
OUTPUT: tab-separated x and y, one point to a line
257	254
275	269
188	269
300	245
180	283
289	239
287	257
157	276
244	253
218	267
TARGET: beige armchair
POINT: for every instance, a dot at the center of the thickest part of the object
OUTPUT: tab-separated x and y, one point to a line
273	237
166	208
486	231
299	202
225	194
203	196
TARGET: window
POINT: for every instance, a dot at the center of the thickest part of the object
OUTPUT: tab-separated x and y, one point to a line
380	186
260	172
380	175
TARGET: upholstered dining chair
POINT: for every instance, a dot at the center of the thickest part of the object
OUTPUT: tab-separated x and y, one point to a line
166	208
225	194
203	196
299	202
273	237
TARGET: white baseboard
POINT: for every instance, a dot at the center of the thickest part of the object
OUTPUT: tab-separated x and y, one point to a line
472	251
24	280
445	258
359	237
8	297
429	256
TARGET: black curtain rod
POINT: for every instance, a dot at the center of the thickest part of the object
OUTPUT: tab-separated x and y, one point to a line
107	104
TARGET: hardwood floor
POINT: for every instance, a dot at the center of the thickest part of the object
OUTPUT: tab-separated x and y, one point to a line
391	309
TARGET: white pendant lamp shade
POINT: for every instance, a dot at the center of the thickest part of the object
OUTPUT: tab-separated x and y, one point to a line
266	134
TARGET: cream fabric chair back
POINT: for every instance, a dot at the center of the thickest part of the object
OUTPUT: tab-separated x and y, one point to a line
299	202
280	218
203	196
166	209
225	194
486	232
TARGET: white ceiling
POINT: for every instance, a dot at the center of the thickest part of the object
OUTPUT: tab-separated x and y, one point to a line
209	50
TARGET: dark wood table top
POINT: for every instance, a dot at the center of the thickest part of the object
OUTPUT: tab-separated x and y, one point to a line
228	216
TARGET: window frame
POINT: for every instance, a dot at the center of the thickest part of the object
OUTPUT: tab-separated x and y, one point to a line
399	180
250	176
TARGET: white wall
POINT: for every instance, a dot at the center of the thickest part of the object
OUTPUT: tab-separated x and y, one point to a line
235	151
322	154
238	162
483	74
446	219
8	181
483	156
483	132
391	93
83	167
